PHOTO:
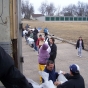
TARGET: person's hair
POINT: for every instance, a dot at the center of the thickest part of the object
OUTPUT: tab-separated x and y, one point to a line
80	37
35	28
52	39
49	62
74	73
40	35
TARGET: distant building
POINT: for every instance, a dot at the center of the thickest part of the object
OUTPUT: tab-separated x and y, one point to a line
36	16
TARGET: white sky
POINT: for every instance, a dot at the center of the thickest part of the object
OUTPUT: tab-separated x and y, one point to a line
57	3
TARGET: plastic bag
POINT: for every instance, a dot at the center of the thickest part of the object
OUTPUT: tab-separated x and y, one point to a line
61	78
32	29
49	49
30	40
47	83
34	84
25	32
44	75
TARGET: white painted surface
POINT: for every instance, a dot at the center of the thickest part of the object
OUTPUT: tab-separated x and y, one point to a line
42	18
4	28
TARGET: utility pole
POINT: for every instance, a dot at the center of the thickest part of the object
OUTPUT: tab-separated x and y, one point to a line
16	32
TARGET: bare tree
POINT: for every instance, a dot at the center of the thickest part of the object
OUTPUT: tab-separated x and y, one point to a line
86	10
70	10
58	11
27	9
50	9
81	9
42	8
22	7
47	9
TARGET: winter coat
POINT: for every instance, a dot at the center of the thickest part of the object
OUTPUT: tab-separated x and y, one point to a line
35	31
43	54
52	74
38	40
78	44
10	76
31	35
35	37
53	52
76	81
27	34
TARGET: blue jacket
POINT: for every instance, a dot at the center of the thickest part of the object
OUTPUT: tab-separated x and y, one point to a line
52	75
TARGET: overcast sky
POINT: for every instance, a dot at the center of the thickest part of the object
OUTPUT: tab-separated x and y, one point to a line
57	3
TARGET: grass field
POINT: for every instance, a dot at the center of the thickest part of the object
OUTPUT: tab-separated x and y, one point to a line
66	30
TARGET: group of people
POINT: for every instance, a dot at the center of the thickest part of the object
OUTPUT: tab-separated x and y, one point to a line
45	55
33	38
36	45
74	79
11	77
47	63
41	46
46	60
30	36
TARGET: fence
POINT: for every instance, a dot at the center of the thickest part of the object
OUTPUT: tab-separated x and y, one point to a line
65	18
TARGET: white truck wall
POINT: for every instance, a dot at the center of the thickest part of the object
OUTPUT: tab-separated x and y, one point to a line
5	28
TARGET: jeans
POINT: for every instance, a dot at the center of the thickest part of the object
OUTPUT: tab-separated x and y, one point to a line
35	47
80	51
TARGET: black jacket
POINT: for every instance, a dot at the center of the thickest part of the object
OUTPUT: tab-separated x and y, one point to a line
78	43
35	31
35	37
10	76
73	82
53	52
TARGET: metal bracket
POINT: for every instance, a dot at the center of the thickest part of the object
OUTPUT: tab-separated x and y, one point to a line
20	25
21	59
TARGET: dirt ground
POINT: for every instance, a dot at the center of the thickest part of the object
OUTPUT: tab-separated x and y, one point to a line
66	30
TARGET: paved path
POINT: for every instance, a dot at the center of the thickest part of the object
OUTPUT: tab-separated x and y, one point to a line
66	55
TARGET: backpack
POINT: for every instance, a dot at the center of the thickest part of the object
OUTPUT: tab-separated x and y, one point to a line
45	30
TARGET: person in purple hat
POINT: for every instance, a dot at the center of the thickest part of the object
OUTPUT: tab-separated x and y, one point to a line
43	57
75	80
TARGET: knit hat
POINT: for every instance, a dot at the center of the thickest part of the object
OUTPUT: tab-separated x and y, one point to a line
74	68
44	46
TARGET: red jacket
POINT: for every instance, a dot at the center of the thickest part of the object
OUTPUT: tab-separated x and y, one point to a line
39	39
